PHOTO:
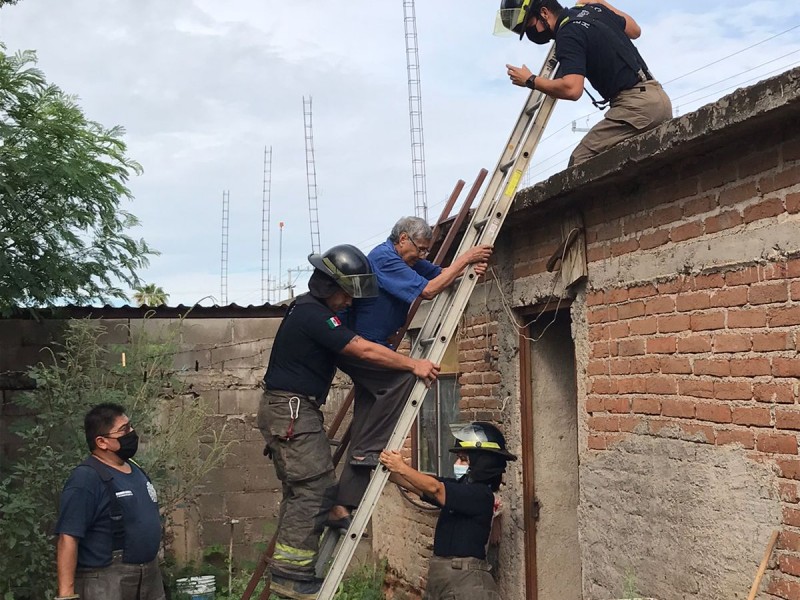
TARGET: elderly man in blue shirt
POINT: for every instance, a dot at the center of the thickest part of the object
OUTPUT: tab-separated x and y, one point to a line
403	275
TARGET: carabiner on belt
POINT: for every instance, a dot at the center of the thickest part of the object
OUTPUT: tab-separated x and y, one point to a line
294	410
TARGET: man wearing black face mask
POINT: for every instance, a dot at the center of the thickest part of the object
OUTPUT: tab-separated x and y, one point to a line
109	529
593	41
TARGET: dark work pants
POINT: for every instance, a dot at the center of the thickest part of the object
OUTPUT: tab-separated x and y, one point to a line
302	456
380	396
120	581
460	579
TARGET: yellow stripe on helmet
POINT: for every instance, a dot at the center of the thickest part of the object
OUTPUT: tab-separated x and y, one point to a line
479	445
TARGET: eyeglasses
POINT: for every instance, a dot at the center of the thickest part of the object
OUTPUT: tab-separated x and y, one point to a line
423	252
123	430
463	457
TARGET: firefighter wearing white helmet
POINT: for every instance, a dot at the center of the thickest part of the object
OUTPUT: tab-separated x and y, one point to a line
458	568
593	41
301	366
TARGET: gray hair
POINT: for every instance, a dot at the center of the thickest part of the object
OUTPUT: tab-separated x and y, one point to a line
415	227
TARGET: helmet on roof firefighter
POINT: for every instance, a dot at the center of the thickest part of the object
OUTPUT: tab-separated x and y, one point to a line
479	436
514	15
349	268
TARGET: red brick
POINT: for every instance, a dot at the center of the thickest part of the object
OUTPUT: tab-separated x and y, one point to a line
744	437
750	367
787	492
716	367
784	316
744	276
747	317
751	415
692	301
670	287
631	385
639	222
621	247
620	366
631	310
646	406
772	271
631	347
789	467
737	194
678	407
706	321
789	564
794	290
663	345
699	205
723	221
673	323
603	423
661	385
708	281
777	443
646	364
602	350
768	293
698	433
597	442
786	418
784	178
793	203
697	388
595	298
783	588
789	540
733	296
672	364
644	326
717	413
594	404
773	340
781	393
604	386
733	342
733	390
597	367
694	344
655	239
786	367
616	295
659	305
629	423
598	253
763	210
687	231
667	214
617	405
642	291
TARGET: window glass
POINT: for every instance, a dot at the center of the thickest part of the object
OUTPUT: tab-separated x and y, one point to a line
433	432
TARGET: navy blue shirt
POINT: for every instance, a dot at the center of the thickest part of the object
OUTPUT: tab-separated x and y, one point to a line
399	284
303	355
85	514
465	521
584	48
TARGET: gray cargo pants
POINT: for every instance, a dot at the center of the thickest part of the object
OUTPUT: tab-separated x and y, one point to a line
460	579
292	427
120	581
380	396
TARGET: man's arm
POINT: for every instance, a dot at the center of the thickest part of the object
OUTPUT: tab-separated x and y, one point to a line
568	87
430	486
66	562
478	254
363	349
632	29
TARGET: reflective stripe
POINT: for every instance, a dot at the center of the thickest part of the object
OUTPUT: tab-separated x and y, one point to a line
294	556
492	445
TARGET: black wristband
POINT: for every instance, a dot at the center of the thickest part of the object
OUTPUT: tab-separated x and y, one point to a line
531	82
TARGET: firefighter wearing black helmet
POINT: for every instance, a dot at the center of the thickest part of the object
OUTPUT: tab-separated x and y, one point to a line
593	41
301	367
458	569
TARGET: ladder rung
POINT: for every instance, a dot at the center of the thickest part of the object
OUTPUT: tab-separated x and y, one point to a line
534	108
507	166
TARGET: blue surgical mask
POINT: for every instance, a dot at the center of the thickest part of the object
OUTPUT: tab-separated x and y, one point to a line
460	470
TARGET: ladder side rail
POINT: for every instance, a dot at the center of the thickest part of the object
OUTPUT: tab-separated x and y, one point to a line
529	129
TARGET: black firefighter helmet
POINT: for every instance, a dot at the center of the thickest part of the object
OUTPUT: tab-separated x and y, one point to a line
480	436
349	268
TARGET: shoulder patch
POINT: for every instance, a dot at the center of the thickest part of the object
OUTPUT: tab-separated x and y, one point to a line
333	322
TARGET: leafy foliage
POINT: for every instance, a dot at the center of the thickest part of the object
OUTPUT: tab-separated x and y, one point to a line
150	295
87	373
62	178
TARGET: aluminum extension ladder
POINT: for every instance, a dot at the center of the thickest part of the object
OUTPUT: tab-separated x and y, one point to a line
448	307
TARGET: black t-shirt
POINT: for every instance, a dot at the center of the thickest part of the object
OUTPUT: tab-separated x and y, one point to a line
85	514
585	48
305	348
466	519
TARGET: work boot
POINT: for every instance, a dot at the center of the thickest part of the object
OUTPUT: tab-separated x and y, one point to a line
295	590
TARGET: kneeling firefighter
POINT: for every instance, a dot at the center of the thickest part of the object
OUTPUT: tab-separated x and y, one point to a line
301	368
458	569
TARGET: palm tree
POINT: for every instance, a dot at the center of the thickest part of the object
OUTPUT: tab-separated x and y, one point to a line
150	295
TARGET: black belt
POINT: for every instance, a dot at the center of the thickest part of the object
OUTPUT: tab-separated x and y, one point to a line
288	394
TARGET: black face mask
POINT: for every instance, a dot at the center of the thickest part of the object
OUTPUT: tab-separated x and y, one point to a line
539	37
128	445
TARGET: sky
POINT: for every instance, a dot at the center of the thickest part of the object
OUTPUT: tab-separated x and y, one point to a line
202	87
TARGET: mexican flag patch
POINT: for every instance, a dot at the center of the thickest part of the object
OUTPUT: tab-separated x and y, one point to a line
333	322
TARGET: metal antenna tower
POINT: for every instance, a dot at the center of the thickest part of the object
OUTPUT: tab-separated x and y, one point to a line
311	176
415	111
223	278
266	196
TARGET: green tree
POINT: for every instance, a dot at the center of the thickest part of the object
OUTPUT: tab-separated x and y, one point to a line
4	2
177	449
62	179
150	295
